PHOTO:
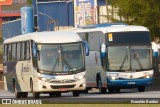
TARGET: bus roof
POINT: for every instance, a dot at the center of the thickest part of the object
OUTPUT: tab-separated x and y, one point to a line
47	37
101	25
113	28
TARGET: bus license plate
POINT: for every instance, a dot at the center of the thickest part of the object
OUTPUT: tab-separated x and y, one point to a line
131	83
62	89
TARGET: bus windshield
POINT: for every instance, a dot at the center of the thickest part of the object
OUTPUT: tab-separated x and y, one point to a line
140	58
62	58
122	58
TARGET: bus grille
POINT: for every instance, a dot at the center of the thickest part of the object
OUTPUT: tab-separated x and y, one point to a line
62	86
62	81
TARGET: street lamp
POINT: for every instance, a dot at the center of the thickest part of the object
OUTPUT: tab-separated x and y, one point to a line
52	20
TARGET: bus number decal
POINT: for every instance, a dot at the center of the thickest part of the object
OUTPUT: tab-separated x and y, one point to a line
25	69
110	37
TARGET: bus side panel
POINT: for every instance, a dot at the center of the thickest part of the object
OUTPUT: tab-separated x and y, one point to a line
9	74
23	75
18	73
93	67
93	61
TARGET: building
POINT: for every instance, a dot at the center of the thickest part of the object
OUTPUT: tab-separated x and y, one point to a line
10	10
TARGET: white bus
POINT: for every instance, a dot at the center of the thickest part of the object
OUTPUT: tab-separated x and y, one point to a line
120	57
44	62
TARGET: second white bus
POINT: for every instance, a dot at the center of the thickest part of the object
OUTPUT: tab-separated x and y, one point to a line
120	57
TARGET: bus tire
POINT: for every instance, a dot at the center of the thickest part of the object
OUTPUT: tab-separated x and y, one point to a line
111	90
58	94
35	94
85	91
17	94
75	93
24	94
117	90
141	88
102	90
51	94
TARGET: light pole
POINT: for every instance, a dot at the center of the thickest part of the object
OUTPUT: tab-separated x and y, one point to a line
52	20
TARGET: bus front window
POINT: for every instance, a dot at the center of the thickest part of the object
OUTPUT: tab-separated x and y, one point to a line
60	58
122	58
140	58
49	57
72	57
118	58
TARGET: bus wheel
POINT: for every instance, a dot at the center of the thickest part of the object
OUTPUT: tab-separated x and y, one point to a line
85	91
141	88
75	93
111	90
35	94
117	90
17	94
101	89
57	94
51	94
24	94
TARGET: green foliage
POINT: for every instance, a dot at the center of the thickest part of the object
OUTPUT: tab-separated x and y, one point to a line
29	2
139	12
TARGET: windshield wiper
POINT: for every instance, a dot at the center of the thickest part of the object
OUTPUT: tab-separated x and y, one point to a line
136	56
126	57
68	65
139	63
55	64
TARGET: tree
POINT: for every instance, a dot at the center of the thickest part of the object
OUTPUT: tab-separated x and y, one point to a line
29	2
139	12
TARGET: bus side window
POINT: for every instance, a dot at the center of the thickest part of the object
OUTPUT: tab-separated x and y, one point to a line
22	51
27	50
96	41
86	37
83	36
18	51
10	52
5	53
34	53
91	41
13	52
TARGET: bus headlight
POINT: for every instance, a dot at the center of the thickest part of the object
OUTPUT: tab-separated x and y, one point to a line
113	77
148	76
43	79
79	76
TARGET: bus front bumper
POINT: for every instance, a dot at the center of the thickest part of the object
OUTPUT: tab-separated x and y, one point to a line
66	87
129	83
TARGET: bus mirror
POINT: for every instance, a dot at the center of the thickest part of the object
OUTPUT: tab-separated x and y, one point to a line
34	50
103	51
86	47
